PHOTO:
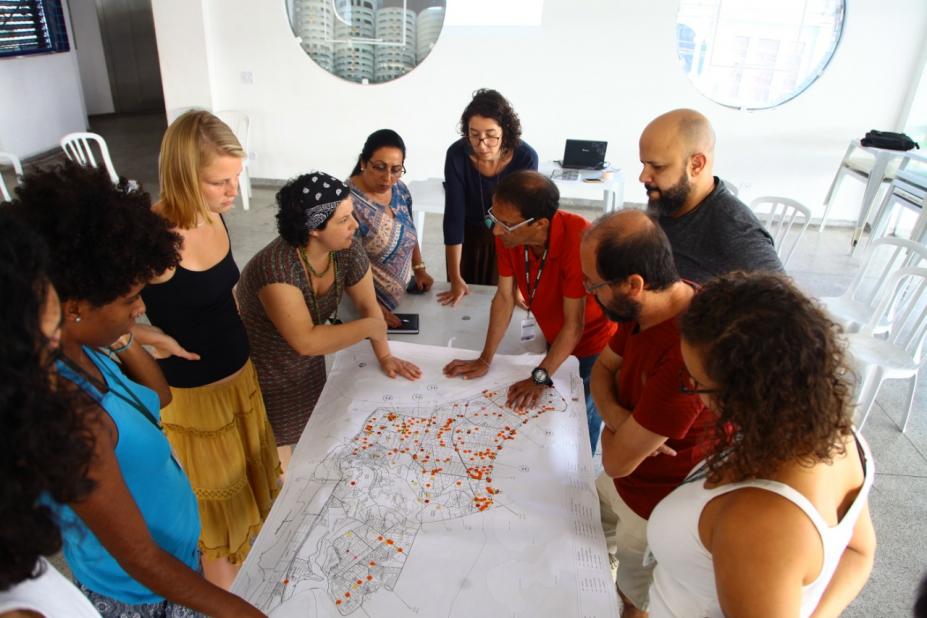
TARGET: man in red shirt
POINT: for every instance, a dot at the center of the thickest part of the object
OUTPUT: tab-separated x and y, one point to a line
654	427
538	246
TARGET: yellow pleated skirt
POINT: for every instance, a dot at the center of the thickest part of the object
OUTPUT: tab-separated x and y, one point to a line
224	442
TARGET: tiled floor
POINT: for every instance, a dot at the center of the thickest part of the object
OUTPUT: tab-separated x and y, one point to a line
821	266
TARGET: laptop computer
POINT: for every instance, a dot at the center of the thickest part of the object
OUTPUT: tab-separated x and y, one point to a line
584	154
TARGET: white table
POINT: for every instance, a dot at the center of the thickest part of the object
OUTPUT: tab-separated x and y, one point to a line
606	185
463	326
874	179
427	196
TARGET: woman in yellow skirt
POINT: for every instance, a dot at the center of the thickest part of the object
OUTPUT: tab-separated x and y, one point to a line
216	421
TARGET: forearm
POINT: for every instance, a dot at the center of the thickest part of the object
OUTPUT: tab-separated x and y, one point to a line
606	399
416	255
165	575
329	338
142	368
852	572
500	314
452	255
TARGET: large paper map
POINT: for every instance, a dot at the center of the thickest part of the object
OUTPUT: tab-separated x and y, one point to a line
433	498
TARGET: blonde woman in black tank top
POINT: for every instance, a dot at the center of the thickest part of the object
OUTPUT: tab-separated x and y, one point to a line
216	422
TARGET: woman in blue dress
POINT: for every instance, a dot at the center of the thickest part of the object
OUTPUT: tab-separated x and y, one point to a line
131	543
383	208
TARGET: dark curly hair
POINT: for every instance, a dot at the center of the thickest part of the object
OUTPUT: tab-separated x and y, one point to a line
44	447
294	200
106	239
780	370
490	104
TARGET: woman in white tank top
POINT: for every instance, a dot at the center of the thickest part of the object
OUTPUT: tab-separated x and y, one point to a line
776	521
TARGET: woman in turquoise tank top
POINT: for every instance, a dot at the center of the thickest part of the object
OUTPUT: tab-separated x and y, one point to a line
132	542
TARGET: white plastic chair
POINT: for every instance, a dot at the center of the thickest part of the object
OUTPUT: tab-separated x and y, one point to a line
909	190
886	256
17	170
779	215
240	124
895	352
79	148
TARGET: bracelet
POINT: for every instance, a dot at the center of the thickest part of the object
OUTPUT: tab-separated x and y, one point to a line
483	360
384	358
419	266
123	347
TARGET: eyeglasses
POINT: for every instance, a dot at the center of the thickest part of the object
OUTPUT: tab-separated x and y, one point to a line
383	169
489	140
590	289
688	385
507	228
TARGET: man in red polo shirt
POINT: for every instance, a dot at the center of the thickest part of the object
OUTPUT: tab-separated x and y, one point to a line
655	427
538	245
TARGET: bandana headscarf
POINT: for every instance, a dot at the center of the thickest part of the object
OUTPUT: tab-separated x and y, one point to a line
320	195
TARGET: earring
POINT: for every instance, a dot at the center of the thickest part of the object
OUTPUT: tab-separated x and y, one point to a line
77	319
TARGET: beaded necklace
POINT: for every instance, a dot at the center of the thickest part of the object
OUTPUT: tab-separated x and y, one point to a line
313	302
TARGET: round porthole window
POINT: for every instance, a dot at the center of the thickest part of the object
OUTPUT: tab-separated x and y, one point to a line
367	41
756	54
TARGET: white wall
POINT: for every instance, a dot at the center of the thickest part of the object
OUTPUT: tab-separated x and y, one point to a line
91	59
595	69
181	28
40	101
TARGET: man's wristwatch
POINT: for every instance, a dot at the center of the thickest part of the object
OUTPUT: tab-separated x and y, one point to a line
540	376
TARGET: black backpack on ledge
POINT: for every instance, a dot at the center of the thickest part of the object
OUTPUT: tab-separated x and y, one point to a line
888	140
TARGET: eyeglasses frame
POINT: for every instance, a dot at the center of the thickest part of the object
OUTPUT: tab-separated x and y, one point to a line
508	229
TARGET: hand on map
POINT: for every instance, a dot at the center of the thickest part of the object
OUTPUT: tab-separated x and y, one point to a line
525	394
393	367
466	369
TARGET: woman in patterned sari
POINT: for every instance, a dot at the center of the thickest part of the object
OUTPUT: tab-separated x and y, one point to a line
383	207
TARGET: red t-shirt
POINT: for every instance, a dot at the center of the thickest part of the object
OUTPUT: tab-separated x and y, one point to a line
648	385
562	278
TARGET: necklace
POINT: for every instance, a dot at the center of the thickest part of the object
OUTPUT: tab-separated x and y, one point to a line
305	257
313	302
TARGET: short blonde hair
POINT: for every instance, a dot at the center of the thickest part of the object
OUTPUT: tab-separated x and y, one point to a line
192	141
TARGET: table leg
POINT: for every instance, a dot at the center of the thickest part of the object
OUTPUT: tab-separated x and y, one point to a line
420	228
876	176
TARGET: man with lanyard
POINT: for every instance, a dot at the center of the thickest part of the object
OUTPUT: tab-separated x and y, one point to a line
537	245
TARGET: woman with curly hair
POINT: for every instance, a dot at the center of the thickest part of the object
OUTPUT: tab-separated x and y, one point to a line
131	542
216	421
44	448
776	522
490	149
383	208
289	296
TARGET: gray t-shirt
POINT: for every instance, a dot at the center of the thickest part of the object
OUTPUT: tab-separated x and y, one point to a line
721	235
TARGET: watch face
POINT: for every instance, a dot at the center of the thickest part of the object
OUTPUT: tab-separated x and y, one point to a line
540	376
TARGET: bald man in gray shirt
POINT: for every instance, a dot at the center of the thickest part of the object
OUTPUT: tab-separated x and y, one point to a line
711	231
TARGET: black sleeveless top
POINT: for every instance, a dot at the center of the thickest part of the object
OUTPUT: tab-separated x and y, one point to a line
198	310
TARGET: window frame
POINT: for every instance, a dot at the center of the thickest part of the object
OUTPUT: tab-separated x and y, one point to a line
45	23
801	86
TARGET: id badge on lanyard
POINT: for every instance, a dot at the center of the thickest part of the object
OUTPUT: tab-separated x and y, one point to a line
528	327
